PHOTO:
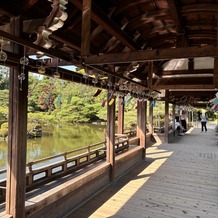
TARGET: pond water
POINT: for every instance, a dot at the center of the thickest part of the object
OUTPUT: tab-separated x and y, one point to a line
58	139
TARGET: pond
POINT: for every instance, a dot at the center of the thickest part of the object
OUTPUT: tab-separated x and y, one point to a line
58	139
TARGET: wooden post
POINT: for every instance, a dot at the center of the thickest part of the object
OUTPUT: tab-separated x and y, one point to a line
110	135
166	126
17	135
151	126
120	128
141	124
173	119
86	27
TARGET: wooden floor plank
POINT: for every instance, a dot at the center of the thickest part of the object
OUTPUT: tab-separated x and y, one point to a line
177	180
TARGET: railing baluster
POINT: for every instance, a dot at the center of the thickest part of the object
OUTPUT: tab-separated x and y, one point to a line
90	154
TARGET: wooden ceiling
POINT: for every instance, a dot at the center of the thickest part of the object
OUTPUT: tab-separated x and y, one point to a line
128	40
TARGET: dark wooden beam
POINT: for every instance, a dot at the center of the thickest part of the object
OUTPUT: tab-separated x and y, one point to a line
215	71
175	13
155	54
86	27
99	17
185	86
186	72
199	9
146	18
28	4
193	93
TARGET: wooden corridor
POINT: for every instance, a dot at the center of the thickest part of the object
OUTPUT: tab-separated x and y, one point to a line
177	180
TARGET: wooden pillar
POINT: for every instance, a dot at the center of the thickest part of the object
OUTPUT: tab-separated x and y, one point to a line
86	27
173	118
151	125
17	136
215	68
110	135
166	125
120	128
191	63
141	124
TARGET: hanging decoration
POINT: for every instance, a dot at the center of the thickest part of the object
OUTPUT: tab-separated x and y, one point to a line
24	61
214	103
103	102
95	80
56	74
97	93
111	101
41	68
58	101
86	75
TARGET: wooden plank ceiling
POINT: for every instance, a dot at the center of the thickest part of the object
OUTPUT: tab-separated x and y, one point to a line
130	40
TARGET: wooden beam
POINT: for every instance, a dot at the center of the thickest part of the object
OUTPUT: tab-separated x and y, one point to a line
86	27
185	86
186	72
155	54
27	4
175	13
100	18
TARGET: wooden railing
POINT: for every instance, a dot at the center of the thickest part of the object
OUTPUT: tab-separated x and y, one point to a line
44	170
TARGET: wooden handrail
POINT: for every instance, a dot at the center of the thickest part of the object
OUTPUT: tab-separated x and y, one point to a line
36	176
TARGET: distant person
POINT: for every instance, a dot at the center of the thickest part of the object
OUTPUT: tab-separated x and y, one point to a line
178	126
204	122
183	121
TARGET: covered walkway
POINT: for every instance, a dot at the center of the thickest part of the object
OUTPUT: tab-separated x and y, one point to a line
177	180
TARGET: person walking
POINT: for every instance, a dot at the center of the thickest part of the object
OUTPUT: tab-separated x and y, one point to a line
203	122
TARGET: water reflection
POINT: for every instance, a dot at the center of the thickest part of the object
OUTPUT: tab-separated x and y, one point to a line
58	139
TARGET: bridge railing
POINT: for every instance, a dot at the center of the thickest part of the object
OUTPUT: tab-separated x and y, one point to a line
44	170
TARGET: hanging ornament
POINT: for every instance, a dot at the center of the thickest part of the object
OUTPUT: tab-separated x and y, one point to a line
86	75
56	74
41	68
95	80
109	84
23	61
103	82
111	101
103	102
97	93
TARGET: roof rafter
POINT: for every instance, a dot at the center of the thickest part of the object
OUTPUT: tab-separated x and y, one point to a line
108	25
